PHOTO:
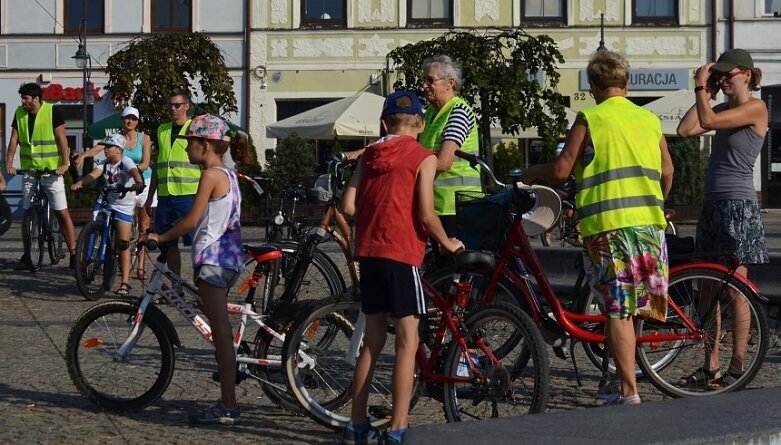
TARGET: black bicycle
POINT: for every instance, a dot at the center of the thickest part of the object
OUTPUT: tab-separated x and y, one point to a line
40	227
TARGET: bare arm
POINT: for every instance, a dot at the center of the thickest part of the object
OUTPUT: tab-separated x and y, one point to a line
62	147
89	153
9	157
87	179
349	204
210	182
559	170
446	156
425	191
667	168
146	154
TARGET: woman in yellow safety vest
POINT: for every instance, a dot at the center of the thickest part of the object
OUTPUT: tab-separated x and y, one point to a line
623	173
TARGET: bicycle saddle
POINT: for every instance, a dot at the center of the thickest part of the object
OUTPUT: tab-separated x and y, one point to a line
263	253
475	261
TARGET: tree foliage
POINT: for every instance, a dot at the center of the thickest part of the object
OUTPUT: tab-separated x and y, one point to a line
500	70
691	164
293	161
145	71
506	157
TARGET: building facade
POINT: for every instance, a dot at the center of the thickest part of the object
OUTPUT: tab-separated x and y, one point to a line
38	40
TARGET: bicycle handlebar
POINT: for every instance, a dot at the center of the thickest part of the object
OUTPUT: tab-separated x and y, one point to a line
474	161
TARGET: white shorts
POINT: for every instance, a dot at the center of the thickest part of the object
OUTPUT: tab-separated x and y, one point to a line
141	197
54	187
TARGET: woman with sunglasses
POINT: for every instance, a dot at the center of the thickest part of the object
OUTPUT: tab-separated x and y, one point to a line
730	218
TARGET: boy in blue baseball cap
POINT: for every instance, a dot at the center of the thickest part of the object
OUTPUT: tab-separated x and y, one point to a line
391	196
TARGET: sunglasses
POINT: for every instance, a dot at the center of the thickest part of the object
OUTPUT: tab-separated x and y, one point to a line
727	76
176	105
430	80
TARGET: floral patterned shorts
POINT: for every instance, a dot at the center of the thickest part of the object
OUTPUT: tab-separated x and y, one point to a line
627	270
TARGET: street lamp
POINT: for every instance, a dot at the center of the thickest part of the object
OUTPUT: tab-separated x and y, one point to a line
82	61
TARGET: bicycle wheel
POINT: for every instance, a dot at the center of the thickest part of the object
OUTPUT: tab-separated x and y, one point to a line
322	277
320	377
31	230
89	268
56	240
442	278
111	261
516	384
119	383
728	312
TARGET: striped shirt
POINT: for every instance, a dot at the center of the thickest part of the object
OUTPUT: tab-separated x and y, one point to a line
459	125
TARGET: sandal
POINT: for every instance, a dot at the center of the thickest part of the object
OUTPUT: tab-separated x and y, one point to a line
728	378
141	274
700	378
124	290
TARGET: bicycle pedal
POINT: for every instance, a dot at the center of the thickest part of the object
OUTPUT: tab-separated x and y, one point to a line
380	412
560	349
240	377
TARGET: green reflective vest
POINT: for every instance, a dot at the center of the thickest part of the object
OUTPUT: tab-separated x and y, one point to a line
176	176
39	150
620	186
461	176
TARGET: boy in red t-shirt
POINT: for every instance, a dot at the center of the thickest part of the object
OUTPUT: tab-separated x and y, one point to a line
393	193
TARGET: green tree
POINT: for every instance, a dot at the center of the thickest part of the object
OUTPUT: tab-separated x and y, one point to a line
293	161
506	157
500	72
145	71
691	163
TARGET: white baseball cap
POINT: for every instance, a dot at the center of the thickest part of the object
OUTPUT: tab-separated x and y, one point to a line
114	140
131	111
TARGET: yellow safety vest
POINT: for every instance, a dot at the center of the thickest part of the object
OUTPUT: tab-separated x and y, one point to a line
176	176
39	150
620	186
461	176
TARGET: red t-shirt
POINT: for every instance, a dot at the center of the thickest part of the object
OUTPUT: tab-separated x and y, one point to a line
387	224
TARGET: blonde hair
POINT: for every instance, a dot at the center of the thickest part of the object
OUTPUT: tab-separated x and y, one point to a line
608	69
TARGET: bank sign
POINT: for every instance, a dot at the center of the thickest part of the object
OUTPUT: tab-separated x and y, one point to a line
639	80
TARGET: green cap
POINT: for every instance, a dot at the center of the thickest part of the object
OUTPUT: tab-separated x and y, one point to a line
732	59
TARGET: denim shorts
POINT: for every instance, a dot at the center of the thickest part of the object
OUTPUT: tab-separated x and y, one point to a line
216	276
171	209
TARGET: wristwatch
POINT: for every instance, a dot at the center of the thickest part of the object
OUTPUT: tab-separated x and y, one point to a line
701	87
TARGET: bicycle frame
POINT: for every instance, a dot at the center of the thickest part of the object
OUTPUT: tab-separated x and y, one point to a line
517	246
158	285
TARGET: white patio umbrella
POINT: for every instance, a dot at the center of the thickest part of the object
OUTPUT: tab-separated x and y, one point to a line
531	132
671	109
356	116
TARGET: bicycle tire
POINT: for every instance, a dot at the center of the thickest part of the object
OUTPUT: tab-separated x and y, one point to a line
442	278
323	388
520	385
587	304
689	288
111	261
127	384
89	269
322	277
31	230
55	240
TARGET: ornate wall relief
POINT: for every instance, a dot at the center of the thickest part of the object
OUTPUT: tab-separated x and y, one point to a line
278	48
486	8
374	47
323	47
590	44
646	46
694	11
367	13
588	13
279	11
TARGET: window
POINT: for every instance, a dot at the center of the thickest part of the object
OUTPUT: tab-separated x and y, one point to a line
323	13
74	11
171	15
430	13
773	7
544	10
655	12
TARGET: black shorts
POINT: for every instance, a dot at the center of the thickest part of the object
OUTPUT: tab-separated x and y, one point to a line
391	286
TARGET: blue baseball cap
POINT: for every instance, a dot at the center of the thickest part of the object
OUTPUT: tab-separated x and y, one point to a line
390	106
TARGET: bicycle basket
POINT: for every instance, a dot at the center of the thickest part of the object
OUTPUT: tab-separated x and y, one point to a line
481	219
322	192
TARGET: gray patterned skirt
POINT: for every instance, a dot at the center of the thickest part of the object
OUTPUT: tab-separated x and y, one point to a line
733	226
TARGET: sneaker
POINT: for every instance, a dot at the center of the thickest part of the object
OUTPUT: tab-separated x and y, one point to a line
392	437
25	263
361	434
217	414
609	391
625	400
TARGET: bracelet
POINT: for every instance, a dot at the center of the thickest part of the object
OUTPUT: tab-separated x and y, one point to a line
699	88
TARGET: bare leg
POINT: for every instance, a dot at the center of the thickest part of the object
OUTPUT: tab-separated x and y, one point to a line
66	223
741	325
622	345
123	234
373	341
174	260
143	220
404	370
214	301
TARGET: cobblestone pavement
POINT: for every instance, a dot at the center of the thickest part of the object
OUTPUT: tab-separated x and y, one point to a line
40	404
